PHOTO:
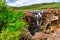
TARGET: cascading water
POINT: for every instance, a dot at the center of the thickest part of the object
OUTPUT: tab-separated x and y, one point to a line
38	16
36	26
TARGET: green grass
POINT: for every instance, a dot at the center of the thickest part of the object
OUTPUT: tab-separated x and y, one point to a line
41	6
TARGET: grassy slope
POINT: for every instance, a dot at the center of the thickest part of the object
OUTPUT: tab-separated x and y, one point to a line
40	6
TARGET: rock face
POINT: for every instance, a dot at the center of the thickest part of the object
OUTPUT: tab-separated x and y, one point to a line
31	19
26	35
59	15
39	36
49	15
50	20
54	36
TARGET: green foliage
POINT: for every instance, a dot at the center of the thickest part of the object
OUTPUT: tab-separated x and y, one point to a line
12	23
6	35
41	6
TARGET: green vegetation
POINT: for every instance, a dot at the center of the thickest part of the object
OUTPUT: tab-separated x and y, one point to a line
12	23
41	6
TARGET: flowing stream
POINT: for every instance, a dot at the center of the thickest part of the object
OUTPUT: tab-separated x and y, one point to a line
38	16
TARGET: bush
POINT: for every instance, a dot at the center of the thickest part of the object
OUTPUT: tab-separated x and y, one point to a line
11	24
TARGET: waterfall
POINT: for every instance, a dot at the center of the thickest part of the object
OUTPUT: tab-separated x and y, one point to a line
38	15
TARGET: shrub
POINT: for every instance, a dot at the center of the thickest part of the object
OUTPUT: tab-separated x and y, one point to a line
11	24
